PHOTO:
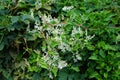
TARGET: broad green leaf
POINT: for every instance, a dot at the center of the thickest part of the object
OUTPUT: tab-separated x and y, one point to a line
101	44
93	57
118	38
2	7
75	68
106	75
36	76
108	47
54	44
1	37
25	18
90	47
102	53
55	70
70	77
63	76
95	75
43	64
2	44
14	19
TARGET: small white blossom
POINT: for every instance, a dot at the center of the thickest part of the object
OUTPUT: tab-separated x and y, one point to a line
76	31
38	5
57	31
62	64
32	13
60	25
67	8
62	46
56	20
50	75
75	60
57	38
46	19
78	57
89	37
46	57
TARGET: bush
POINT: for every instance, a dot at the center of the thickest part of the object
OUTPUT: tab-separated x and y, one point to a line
59	40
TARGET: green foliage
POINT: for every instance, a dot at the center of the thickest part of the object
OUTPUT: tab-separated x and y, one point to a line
59	40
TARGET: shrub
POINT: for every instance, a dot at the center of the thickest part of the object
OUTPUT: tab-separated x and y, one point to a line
59	40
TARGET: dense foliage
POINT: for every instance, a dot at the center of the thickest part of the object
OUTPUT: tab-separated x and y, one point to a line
60	39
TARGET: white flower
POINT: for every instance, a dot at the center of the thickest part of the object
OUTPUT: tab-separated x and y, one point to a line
38	5
56	57
57	38
76	31
62	64
62	46
56	20
46	57
67	8
57	31
46	19
78	57
50	75
60	25
89	37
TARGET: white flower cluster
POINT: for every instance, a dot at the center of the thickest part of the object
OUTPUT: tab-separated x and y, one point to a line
56	37
51	61
76	56
37	26
76	31
88	37
67	8
64	47
38	4
57	31
62	64
48	18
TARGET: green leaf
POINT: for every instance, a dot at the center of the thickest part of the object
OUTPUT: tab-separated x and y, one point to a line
62	76
102	53
2	7
43	64
105	75
30	37
108	47
118	38
90	47
75	68
93	57
26	18
6	74
101	44
2	44
54	44
15	19
54	70
70	77
95	75
47	7
108	68
1	37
